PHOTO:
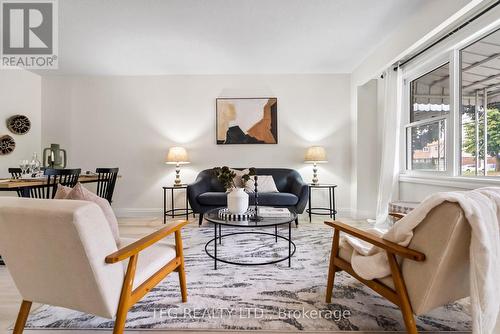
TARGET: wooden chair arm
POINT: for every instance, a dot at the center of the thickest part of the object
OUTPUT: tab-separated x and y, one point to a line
396	215
389	246
139	245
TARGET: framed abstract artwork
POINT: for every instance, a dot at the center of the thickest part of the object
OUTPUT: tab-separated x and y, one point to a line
247	120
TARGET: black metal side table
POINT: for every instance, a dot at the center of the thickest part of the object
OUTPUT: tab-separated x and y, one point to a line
331	210
173	211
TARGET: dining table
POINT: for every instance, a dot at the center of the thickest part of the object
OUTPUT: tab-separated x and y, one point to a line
23	184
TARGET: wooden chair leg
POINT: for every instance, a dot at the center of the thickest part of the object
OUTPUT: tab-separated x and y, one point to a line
182	282
124	304
22	316
332	268
182	274
399	284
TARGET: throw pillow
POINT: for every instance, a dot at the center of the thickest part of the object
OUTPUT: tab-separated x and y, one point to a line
83	194
62	192
265	184
238	181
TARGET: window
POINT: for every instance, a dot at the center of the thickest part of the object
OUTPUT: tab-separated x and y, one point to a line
452	110
426	132
480	110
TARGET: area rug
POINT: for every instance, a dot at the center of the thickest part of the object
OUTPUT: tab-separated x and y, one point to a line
271	297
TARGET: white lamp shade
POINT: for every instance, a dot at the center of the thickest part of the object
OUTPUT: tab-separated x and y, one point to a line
177	155
315	154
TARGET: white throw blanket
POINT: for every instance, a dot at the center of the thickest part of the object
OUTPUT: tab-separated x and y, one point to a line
482	210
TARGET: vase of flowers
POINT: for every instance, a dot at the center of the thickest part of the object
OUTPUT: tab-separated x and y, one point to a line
237	198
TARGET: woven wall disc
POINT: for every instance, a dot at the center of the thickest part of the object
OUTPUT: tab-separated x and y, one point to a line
19	124
7	144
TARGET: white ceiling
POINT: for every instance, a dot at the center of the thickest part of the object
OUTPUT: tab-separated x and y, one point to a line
151	37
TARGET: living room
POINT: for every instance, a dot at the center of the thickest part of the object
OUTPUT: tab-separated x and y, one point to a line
266	166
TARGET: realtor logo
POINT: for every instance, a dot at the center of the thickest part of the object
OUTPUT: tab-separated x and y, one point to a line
29	34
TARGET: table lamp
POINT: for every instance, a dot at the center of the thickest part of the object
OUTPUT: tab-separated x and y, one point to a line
178	156
315	155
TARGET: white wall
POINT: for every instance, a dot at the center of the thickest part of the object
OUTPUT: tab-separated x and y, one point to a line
130	122
416	192
20	93
368	151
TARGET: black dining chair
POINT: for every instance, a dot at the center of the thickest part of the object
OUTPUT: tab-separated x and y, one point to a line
16	173
106	180
65	177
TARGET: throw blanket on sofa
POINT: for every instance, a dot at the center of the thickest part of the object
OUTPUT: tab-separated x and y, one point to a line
482	210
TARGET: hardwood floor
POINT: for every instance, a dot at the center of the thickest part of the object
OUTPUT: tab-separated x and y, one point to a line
10	299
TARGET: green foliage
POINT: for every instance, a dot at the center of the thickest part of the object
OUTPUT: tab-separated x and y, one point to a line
246	177
493	134
226	176
424	134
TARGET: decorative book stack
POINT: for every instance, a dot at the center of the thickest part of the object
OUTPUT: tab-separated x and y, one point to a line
273	212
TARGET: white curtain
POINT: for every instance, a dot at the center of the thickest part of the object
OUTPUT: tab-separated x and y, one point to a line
388	188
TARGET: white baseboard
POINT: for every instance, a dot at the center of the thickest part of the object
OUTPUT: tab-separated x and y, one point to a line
138	212
344	212
364	215
157	212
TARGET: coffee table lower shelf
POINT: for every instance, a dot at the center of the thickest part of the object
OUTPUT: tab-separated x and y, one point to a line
218	236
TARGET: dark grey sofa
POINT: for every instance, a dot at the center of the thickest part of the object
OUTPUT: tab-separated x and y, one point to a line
207	193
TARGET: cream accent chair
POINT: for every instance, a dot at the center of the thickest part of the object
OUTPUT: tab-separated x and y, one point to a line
431	272
62	253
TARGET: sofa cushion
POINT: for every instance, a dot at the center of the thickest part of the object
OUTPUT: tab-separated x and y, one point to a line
265	184
238	179
278	199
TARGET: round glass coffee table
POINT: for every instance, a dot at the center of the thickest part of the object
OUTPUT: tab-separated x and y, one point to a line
213	217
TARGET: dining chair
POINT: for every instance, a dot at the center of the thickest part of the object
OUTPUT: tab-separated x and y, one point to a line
64	254
106	180
16	173
65	177
431	272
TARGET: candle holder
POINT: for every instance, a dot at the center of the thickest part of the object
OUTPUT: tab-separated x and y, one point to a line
256	203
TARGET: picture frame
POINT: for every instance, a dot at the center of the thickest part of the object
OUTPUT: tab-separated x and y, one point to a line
248	120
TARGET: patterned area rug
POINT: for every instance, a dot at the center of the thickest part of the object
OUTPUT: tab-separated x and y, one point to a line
272	297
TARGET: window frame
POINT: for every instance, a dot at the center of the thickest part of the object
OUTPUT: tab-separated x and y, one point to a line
423	122
493	29
448	52
473	32
413	73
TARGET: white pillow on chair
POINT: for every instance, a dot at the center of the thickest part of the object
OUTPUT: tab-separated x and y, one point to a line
62	191
265	184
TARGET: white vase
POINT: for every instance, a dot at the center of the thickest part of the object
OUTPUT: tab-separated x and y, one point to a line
237	201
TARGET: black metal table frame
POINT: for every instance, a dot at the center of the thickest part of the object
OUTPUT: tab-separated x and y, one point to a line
331	210
275	234
173	212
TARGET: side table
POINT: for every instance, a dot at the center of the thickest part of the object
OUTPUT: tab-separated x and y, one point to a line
331	210
173	211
